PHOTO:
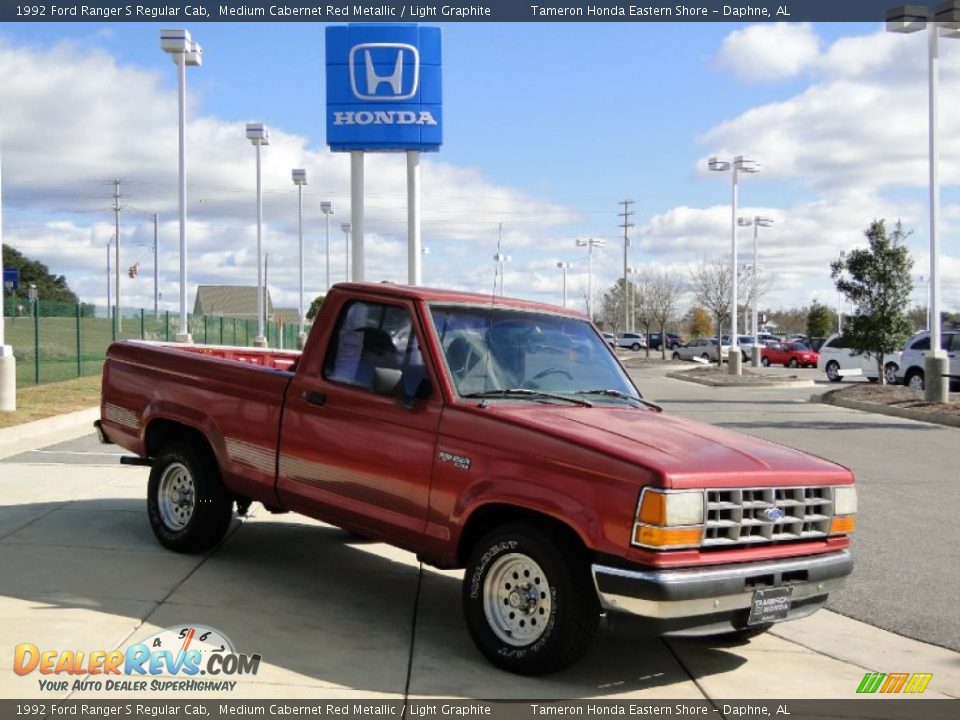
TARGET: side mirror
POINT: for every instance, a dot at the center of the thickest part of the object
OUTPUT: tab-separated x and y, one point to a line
386	381
423	391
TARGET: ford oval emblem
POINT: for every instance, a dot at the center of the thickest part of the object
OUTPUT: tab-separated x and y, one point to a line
773	514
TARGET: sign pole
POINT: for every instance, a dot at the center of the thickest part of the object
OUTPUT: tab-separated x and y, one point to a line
356	212
414	274
8	364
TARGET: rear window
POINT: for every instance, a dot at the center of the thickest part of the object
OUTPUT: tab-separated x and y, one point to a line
839	342
921	344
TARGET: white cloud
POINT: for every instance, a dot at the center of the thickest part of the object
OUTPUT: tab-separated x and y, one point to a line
770	51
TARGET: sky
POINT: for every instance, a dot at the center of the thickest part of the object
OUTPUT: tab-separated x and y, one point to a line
547	126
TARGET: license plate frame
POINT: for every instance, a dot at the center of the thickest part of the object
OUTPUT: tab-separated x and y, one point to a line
770	605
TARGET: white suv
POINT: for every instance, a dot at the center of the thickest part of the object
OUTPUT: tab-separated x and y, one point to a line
837	361
914	354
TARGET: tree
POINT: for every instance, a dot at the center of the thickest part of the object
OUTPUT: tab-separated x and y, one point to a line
52	288
877	281
712	285
699	322
314	307
664	289
612	306
819	321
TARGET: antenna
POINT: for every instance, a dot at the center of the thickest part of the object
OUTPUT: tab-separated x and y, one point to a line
493	301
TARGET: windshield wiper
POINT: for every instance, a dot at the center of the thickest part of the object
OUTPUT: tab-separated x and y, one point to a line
526	392
621	396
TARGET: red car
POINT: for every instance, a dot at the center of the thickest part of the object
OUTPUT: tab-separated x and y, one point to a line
789	355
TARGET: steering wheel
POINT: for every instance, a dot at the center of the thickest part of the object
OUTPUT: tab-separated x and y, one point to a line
543	373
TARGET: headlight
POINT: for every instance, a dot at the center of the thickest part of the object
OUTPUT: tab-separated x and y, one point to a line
669	519
844	510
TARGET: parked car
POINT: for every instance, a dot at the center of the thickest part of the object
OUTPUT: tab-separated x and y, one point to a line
789	355
702	348
501	439
673	341
911	372
610	339
838	360
632	341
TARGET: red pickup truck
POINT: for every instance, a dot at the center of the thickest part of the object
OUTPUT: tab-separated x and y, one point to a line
495	435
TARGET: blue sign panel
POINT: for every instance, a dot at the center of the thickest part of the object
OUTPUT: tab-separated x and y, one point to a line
11	279
383	87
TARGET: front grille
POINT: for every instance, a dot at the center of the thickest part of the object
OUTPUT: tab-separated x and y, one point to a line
747	516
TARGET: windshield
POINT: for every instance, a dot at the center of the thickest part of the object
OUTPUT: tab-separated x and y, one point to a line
491	349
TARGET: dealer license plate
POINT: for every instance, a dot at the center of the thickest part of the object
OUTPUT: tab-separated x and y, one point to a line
770	605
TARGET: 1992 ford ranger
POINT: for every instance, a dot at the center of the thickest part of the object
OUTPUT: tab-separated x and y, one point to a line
495	435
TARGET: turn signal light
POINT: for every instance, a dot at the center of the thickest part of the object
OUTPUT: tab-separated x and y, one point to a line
842	525
666	537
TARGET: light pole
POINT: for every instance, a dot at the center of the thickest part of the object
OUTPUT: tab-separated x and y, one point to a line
946	22
757	222
926	298
299	176
8	364
185	53
346	254
500	259
326	207
738	165
590	244
424	251
259	135
564	266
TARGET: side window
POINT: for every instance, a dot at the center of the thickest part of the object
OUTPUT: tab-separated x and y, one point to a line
955	343
838	343
372	335
921	344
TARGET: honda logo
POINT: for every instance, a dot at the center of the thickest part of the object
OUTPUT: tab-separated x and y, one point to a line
365	82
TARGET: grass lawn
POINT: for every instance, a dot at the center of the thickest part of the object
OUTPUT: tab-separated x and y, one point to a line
41	401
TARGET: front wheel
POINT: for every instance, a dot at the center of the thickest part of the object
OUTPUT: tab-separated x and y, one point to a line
793	363
528	600
833	371
676	355
914	380
890	373
188	507
765	362
635	347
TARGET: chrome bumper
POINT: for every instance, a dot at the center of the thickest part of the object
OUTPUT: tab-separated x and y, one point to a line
696	601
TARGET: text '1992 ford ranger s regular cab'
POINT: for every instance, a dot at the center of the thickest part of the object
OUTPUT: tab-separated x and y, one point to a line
496	435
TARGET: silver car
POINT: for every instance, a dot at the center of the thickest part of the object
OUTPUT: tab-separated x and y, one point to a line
701	348
913	359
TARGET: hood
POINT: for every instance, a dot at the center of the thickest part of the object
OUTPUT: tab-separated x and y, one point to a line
685	453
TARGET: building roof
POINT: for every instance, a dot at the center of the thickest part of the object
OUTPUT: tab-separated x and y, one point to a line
239	301
289	316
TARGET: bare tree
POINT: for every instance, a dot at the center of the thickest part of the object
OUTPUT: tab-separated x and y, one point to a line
753	285
664	290
712	284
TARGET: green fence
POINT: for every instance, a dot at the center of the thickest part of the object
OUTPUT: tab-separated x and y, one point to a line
58	341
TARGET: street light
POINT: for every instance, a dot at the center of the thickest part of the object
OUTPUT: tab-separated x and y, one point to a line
757	222
926	297
299	176
500	260
590	244
738	165
185	53
259	135
326	207
564	266
946	22
346	256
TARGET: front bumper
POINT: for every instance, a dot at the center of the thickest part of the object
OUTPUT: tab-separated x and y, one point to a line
706	601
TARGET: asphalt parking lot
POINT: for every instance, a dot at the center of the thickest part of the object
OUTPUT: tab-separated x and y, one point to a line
336	616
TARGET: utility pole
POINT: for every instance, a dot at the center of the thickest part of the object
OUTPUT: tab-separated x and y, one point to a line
626	225
156	267
116	224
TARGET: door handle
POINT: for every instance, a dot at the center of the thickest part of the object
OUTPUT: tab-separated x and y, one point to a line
314	398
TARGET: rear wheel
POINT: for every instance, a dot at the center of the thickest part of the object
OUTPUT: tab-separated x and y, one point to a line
833	371
676	355
765	362
914	379
705	356
528	600
890	371
635	347
188	507
793	363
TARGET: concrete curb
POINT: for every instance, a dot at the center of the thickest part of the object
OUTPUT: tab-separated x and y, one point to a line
31	435
893	411
759	385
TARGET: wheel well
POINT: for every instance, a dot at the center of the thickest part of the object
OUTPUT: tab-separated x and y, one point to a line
486	518
163	432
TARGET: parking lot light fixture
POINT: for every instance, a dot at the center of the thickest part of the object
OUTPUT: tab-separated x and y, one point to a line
757	222
299	176
945	22
259	135
590	244
326	207
185	53
346	239
739	164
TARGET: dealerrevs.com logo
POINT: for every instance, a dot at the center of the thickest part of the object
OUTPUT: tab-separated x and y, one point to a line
187	658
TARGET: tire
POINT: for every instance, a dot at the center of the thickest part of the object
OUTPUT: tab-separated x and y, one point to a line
833	371
890	371
793	363
914	379
705	356
635	347
503	623
765	362
676	355
188	507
